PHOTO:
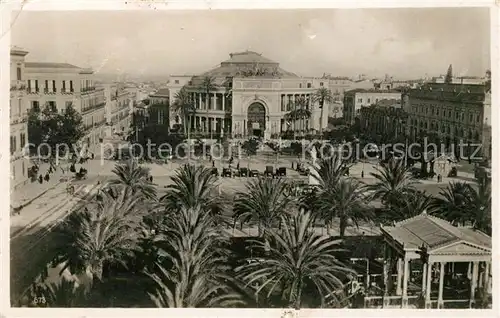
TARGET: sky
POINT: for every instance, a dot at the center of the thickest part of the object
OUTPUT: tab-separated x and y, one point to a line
404	43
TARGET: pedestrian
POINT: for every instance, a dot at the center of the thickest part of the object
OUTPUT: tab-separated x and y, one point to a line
439	178
362	174
213	163
151	179
47	177
238	166
40	179
93	156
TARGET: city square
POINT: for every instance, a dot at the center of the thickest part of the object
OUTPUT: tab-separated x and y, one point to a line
249	198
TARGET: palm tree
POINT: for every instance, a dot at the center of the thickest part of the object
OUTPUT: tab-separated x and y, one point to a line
134	178
298	259
292	116
329	170
452	202
199	275
264	200
103	232
462	203
184	104
66	293
322	95
346	201
192	186
302	111
208	85
393	181
411	204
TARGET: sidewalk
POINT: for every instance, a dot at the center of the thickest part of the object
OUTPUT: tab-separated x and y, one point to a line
32	190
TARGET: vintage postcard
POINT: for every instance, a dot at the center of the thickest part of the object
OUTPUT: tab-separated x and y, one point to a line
291	159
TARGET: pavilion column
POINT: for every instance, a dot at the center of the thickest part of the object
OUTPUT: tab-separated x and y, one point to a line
473	283
223	102
428	304
199	100
424	277
400	276
386	273
406	275
487	277
441	285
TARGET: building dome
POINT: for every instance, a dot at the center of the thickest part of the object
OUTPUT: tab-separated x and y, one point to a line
246	64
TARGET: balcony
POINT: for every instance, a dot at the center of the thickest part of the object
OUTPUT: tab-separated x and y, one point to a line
92	108
67	91
17	86
46	91
33	91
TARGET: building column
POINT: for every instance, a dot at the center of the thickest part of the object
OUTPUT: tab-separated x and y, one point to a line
215	101
199	100
473	284
400	276
441	283
428	288
406	276
223	102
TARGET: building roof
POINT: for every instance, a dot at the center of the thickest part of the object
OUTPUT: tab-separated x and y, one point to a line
15	50
161	92
388	102
433	232
248	57
371	90
49	65
243	62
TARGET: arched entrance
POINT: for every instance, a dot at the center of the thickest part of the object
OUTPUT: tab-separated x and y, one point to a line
256	119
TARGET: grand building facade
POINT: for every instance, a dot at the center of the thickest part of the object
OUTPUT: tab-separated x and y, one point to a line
454	112
251	96
18	119
59	85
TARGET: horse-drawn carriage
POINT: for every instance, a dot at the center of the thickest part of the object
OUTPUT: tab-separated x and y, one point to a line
81	175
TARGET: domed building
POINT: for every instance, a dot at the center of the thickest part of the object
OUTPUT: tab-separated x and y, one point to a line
249	95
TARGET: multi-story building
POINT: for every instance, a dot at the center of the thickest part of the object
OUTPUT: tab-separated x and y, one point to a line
453	112
18	119
59	85
118	110
385	119
158	110
252	96
357	98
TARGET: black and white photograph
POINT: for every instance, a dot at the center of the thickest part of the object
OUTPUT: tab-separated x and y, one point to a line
314	158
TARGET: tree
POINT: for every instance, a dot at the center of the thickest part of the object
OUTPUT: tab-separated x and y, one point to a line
449	75
191	186
199	275
250	146
462	203
208	85
264	201
411	204
66	293
322	95
297	263
184	104
393	180
102	232
344	200
53	128
133	178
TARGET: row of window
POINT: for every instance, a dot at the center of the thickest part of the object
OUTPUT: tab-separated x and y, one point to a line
445	128
13	143
49	86
434	111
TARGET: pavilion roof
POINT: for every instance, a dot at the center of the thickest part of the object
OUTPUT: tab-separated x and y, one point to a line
433	232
